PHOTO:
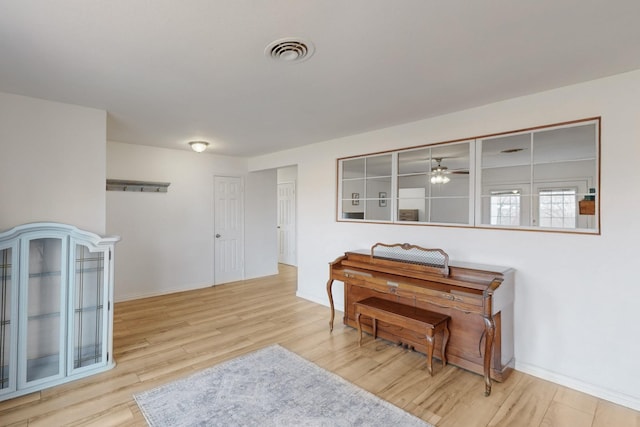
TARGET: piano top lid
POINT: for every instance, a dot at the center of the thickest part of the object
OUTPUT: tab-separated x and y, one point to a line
452	264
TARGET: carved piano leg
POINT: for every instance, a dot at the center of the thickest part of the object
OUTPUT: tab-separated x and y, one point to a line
330	293
359	329
490	328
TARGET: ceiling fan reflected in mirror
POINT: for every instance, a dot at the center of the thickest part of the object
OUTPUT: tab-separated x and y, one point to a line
439	173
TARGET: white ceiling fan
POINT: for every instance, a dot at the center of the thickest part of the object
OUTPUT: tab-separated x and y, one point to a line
439	173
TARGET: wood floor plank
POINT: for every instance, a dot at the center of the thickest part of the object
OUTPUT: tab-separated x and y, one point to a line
526	405
609	414
19	401
164	338
577	400
560	414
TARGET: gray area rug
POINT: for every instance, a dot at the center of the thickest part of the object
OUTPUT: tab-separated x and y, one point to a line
270	387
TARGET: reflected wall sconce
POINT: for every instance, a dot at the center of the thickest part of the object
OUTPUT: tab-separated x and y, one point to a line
199	146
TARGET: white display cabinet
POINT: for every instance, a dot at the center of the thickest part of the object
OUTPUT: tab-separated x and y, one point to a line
56	310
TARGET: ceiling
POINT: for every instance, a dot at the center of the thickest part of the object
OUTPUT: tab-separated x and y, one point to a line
169	71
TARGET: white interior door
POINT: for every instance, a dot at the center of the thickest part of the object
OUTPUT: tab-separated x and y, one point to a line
228	229
287	223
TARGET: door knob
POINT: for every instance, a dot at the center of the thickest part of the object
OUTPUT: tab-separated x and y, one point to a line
218	236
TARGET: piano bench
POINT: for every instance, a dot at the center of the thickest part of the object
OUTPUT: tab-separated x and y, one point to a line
412	318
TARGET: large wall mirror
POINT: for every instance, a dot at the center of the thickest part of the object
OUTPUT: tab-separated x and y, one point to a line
546	178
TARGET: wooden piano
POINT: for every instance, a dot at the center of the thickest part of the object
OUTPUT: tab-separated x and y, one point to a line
478	298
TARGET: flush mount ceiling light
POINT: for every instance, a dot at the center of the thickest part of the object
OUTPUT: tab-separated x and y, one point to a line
290	50
199	146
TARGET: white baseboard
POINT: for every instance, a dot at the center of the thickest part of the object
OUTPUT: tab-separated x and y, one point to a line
129	297
572	383
262	274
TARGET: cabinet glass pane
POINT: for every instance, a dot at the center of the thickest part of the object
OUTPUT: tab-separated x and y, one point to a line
5	316
43	310
88	307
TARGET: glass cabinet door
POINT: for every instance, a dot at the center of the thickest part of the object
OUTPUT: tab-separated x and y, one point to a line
89	308
56	284
43	312
8	321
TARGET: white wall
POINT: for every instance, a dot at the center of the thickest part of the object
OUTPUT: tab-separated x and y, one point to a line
167	238
52	163
287	174
576	295
261	256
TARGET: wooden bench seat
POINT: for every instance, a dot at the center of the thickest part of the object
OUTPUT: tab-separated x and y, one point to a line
412	318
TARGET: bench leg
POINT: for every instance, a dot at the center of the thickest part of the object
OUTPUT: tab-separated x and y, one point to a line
375	327
430	351
359	329
445	340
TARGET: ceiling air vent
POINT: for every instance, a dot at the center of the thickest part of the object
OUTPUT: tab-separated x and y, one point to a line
289	50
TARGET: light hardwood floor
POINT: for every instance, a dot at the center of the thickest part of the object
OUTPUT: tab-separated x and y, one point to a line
161	339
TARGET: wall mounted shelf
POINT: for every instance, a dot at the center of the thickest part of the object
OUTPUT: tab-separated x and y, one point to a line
137	186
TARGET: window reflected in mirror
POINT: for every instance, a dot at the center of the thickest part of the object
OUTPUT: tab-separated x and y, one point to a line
550	170
542	178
